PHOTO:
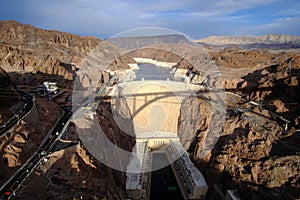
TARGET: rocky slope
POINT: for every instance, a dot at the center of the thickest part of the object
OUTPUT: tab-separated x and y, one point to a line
240	58
18	145
278	87
74	173
40	54
256	153
31	55
9	98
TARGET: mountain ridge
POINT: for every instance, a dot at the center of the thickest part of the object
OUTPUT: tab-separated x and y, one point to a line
268	39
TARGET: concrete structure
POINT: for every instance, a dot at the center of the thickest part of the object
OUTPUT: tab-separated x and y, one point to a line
190	180
157	140
50	87
138	177
232	195
154	105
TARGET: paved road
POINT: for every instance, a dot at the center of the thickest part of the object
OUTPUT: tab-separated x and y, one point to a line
10	187
19	114
255	104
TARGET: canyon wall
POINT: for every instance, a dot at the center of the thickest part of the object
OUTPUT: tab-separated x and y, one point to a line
9	98
74	172
29	56
256	153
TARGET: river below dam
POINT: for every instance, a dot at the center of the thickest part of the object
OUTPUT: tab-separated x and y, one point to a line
163	182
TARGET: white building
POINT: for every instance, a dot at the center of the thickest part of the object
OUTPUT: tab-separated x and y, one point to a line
138	168
50	87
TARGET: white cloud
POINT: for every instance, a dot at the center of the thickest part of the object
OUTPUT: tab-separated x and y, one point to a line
279	26
288	12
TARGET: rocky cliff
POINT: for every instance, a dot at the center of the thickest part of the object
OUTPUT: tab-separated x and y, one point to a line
72	172
20	143
29	56
258	151
9	98
277	86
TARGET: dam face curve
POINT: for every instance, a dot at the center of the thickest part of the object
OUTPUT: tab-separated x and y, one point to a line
154	105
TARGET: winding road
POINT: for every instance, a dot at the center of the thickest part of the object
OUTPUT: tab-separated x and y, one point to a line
10	187
20	113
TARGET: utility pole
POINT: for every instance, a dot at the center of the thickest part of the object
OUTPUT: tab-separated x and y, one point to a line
289	70
260	102
288	61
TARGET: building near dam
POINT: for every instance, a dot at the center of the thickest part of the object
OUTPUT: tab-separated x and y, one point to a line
138	179
190	179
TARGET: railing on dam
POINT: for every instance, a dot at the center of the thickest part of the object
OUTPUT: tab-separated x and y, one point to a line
189	177
137	172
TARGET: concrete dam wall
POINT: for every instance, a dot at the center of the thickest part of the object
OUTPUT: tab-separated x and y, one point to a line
153	105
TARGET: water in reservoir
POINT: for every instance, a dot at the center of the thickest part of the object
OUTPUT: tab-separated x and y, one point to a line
163	182
153	72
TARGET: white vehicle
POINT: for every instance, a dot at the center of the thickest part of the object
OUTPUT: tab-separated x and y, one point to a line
57	133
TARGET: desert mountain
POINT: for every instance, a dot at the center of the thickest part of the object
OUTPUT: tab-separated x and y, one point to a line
270	41
140	42
39	54
31	55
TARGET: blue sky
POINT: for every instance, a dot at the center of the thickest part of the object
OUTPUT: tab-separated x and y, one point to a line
195	18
